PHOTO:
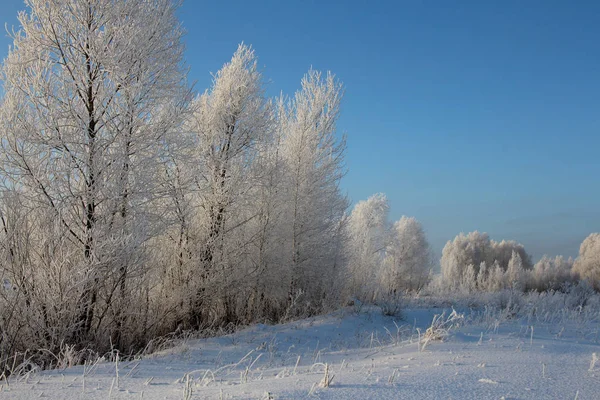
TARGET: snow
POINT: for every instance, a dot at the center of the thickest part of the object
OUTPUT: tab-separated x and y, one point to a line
370	356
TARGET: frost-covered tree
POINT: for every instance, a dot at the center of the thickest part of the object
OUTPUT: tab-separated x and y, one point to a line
368	235
231	117
229	121
266	225
93	93
497	278
464	250
255	199
482	276
474	249
587	264
515	275
504	250
313	157
128	211
551	273
469	279
408	260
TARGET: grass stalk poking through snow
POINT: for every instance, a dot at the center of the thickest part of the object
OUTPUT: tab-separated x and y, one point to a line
594	361
327	378
187	388
440	327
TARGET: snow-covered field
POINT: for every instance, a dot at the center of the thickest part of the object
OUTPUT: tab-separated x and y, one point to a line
368	356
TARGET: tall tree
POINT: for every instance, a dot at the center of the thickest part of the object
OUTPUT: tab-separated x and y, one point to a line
368	234
230	121
313	157
93	92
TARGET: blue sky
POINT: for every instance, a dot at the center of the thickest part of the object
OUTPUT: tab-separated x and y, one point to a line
467	114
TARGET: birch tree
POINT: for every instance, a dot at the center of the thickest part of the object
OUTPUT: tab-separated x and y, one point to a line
93	91
313	157
368	233
231	119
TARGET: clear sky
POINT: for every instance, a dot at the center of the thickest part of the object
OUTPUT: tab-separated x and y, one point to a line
469	115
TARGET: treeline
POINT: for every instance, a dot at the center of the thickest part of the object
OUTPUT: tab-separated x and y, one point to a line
387	260
474	262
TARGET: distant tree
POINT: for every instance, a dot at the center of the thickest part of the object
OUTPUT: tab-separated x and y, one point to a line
497	278
587	264
469	279
476	248
368	233
551	273
482	276
408	260
503	252
515	275
464	250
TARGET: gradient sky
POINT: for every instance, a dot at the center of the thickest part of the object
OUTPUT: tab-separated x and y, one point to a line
469	115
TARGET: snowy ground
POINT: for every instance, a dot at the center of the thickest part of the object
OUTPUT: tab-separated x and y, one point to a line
369	355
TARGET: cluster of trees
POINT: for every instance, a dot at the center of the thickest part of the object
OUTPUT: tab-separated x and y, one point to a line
473	262
385	259
131	208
